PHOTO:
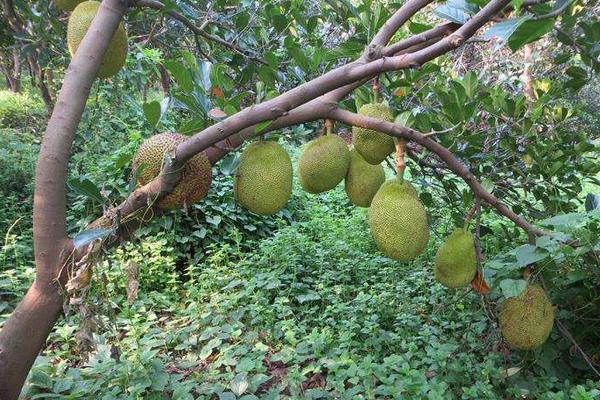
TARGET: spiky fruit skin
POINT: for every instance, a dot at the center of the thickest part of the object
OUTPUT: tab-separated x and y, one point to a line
323	163
263	183
373	146
79	22
526	320
363	180
195	179
398	221
67	5
456	260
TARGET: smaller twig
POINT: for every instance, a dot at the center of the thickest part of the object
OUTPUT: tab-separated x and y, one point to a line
400	153
376	89
328	126
469	215
389	164
432	133
554	13
478	253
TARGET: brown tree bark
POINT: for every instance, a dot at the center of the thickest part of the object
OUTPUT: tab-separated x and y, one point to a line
11	69
25	332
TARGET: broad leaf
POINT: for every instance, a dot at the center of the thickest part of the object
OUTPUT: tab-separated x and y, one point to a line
502	31
529	31
512	287
85	187
452	14
152	112
528	254
592	202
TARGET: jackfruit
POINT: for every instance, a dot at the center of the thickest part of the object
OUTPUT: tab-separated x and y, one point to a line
526	320
67	5
456	260
196	176
263	183
398	221
79	22
373	146
323	163
363	180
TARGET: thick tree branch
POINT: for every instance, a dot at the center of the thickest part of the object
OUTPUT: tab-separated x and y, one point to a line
391	26
433	33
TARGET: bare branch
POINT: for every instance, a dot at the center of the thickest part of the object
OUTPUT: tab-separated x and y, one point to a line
437	32
389	29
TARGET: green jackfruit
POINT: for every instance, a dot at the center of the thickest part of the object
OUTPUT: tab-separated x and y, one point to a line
80	20
373	146
526	320
195	179
323	163
67	5
263	183
363	180
456	260
398	221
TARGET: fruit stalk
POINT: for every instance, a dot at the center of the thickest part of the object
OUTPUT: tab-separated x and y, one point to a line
400	157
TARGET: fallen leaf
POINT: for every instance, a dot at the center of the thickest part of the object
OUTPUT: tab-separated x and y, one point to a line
479	285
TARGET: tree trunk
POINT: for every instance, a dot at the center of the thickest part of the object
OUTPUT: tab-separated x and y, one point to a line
24	335
11	68
16	71
25	332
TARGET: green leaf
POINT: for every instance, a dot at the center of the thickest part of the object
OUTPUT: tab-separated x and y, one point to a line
123	160
86	188
261	126
528	254
416	28
230	163
152	112
181	75
512	287
192	126
452	14
564	219
592	202
529	31
504	30
239	384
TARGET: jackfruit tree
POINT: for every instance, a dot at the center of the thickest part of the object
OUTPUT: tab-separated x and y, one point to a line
427	102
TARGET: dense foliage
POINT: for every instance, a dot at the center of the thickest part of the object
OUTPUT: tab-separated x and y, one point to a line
214	301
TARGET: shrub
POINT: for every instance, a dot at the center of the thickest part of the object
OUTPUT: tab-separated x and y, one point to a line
19	110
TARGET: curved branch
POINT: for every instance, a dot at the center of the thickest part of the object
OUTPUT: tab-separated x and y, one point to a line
25	332
443	153
389	29
157	5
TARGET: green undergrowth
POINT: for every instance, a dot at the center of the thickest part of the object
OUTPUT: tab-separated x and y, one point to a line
311	312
